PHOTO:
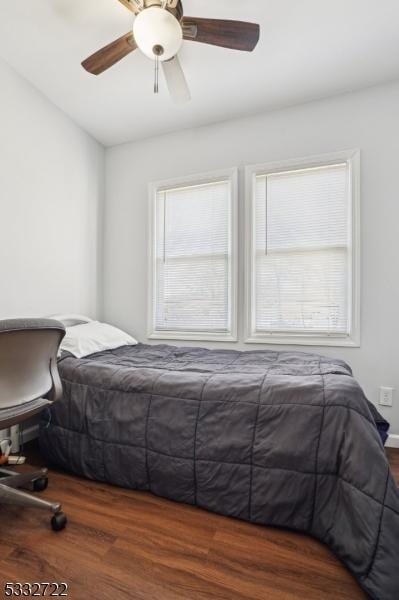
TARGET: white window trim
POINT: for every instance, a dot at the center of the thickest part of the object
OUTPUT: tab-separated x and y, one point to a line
352	157
198	179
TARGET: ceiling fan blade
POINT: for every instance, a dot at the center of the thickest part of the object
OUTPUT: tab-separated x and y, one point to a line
106	57
238	35
176	81
133	5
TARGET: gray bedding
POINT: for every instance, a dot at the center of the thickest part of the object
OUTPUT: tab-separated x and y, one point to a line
278	438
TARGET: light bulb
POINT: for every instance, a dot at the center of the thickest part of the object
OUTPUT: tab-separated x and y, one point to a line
157	33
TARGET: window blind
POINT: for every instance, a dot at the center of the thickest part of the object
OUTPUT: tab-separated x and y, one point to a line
302	251
193	258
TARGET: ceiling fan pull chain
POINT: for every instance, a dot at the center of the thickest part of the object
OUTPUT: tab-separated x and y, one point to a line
156	75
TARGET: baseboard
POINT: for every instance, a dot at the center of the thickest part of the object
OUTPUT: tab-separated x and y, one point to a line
393	441
29	433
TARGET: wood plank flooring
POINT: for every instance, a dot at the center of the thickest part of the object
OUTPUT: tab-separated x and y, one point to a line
120	544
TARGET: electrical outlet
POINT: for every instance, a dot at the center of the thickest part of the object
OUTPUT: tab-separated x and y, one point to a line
386	396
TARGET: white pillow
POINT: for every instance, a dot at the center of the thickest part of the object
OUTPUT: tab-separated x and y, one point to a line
82	340
70	320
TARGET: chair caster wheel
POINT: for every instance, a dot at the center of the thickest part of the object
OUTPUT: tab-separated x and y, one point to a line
39	485
58	521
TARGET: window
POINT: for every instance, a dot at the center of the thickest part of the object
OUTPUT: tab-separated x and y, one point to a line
303	252
193	256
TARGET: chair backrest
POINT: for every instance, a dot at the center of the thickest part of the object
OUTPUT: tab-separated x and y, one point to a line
28	360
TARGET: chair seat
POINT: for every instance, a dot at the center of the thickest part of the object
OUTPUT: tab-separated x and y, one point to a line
16	414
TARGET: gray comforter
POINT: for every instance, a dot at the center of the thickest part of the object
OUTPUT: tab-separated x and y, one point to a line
278	438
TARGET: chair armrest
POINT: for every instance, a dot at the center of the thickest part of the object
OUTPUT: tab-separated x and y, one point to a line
56	391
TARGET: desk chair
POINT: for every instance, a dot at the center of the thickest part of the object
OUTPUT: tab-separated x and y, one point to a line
29	382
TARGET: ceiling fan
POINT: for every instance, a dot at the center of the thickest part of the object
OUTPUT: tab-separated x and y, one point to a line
159	29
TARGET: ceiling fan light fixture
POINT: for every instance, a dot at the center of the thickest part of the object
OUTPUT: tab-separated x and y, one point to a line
157	33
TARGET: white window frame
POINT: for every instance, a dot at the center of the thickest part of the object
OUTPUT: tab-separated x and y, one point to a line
192	180
352	158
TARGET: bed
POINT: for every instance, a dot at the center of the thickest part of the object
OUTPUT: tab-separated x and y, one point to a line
285	439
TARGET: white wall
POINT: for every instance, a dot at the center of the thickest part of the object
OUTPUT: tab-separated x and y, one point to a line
368	120
51	185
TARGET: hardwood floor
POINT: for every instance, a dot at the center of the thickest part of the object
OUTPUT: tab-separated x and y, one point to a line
121	544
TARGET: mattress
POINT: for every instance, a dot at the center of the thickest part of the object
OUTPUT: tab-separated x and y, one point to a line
285	439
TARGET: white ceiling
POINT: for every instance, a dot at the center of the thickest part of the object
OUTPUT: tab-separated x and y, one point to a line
309	49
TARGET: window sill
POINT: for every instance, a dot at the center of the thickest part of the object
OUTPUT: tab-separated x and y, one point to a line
303	340
192	337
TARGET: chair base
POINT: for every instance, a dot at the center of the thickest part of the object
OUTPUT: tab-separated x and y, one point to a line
10	494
